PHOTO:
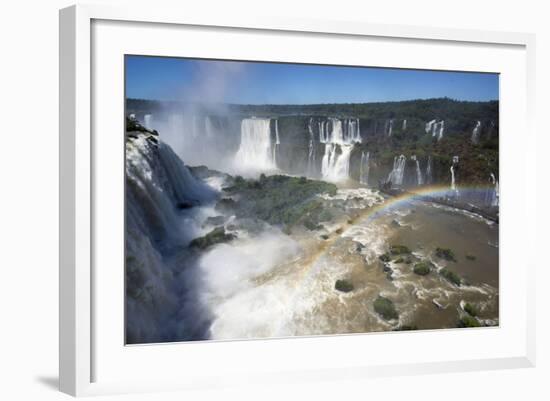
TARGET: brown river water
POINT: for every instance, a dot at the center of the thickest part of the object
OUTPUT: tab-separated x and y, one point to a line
296	295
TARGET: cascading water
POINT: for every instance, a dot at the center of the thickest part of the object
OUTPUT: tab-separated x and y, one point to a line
157	182
364	168
493	194
255	151
277	143
390	127
475	132
339	137
429	177
312	151
436	128
404	125
453	182
429	126
419	180
398	171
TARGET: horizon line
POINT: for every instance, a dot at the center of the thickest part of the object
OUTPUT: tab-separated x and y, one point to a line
312	104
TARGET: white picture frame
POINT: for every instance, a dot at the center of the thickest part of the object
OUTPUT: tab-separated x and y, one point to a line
78	183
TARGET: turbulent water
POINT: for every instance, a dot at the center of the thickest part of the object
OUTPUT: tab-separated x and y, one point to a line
398	171
339	137
157	182
273	283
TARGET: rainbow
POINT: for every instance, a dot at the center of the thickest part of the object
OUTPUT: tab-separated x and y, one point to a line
426	193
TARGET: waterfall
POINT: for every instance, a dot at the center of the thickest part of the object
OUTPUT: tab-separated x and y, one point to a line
255	151
429	126
277	143
339	137
475	132
436	128
496	198
396	175
157	181
147	121
419	180
364	169
429	177
404	125
453	182
389	125
493	195
312	151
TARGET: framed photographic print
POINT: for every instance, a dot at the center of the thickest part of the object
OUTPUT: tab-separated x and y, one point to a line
291	200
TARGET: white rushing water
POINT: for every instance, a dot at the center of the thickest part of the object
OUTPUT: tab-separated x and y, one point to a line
364	168
398	171
438	130
429	126
255	152
157	181
453	178
277	143
339	137
475	132
389	127
493	194
404	125
435	128
419	180
312	151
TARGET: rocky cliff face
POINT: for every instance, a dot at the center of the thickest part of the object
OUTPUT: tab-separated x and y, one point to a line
159	191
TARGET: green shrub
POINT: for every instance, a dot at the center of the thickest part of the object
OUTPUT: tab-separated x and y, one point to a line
215	236
470	309
468	321
282	200
445	253
385	308
343	286
450	276
422	268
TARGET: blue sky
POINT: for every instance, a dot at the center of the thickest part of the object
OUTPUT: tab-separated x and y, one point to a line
194	80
